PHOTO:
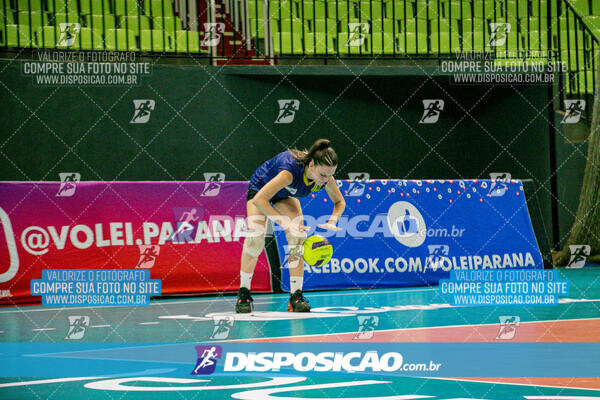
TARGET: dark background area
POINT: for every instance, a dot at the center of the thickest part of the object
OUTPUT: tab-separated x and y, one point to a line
210	119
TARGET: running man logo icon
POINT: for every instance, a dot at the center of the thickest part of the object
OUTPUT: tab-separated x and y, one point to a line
499	184
573	111
68	183
432	111
143	108
293	251
148	255
498	33
579	254
77	326
366	327
68	33
223	325
207	359
508	327
356	189
357	33
287	111
212	187
212	33
437	254
214	176
358	176
186	221
358	184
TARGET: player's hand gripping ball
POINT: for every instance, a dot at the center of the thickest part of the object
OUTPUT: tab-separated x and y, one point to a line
317	250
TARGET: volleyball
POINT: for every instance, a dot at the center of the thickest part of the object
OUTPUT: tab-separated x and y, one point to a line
317	250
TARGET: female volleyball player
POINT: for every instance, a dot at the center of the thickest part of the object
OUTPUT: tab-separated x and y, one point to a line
273	193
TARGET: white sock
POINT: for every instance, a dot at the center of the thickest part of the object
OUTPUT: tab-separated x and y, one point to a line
245	279
295	283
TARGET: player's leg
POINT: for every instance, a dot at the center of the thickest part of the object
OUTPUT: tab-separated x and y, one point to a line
290	208
254	244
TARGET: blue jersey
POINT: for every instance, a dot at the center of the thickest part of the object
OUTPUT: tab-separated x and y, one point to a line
301	186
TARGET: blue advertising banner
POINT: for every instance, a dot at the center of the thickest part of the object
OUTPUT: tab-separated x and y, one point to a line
413	233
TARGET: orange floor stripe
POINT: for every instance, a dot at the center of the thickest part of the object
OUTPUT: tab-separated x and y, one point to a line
573	383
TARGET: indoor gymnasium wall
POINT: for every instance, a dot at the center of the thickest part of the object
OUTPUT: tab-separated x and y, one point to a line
481	128
571	157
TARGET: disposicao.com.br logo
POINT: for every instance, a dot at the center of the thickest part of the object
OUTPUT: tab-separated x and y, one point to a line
369	361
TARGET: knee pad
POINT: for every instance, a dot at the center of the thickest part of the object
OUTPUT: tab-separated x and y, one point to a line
254	245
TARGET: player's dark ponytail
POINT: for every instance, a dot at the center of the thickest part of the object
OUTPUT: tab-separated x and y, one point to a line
320	152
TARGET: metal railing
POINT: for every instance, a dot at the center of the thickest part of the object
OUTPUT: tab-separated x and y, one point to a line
530	30
577	47
426	28
151	26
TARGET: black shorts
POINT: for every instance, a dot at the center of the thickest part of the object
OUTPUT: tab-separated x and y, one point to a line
252	193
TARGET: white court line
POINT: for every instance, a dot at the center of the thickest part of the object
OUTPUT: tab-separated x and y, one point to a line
44	329
405	329
519	384
149	323
58	380
563	397
99	326
163	303
44	381
285	337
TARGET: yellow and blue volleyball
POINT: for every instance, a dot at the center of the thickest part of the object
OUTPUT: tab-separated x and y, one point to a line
317	250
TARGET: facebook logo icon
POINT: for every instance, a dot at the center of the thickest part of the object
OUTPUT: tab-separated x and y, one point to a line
407	224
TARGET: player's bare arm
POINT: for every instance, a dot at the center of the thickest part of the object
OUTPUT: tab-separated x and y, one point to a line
339	204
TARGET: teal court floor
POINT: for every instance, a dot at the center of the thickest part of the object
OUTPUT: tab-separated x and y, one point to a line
403	316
